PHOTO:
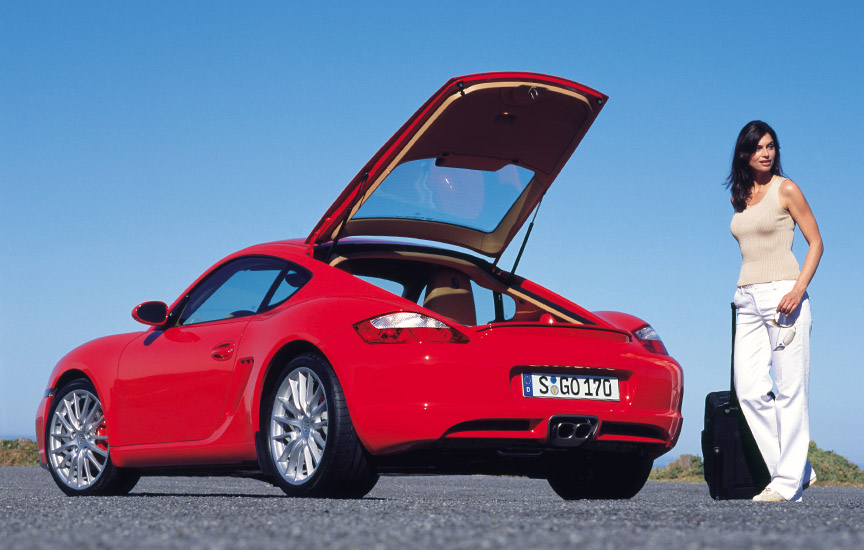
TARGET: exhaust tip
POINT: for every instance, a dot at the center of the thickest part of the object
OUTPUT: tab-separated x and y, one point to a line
571	431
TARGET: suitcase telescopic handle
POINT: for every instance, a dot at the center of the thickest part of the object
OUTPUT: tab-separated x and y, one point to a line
733	397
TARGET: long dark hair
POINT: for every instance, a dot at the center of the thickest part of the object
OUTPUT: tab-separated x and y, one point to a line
740	178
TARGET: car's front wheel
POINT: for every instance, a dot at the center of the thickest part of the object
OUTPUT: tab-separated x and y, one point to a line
312	448
76	445
599	476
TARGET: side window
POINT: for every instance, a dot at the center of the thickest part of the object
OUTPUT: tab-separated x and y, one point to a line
385	284
288	283
484	302
509	307
241	288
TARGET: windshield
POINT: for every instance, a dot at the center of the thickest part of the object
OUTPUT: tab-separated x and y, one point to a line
420	190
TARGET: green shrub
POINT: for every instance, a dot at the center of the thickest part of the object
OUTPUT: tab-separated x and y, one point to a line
18	452
831	468
674	471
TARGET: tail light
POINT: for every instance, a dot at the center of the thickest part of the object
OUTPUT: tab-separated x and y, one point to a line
407	327
650	340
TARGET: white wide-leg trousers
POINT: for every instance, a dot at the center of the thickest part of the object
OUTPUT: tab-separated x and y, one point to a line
781	424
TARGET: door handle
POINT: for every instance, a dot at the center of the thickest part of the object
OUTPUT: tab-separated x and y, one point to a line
223	352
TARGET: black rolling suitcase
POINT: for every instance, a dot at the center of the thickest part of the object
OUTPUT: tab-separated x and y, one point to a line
734	468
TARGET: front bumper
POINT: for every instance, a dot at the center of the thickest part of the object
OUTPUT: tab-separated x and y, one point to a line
41	419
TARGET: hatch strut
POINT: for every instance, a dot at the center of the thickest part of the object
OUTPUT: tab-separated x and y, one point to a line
525	240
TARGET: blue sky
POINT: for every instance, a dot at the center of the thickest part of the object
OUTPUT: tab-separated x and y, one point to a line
140	143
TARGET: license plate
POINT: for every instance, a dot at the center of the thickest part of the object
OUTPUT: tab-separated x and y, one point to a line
603	388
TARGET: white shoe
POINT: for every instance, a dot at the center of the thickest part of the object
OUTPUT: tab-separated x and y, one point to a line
809	483
769	495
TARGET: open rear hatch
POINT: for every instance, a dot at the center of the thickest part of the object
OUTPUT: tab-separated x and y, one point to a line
470	165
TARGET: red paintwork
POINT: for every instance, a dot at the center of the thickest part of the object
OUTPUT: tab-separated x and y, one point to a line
400	396
192	395
154	388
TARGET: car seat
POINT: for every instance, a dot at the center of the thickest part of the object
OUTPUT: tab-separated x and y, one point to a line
448	293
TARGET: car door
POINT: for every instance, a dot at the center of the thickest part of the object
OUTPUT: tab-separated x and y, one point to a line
172	382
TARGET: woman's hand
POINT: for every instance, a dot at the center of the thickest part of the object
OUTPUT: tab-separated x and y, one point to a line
790	302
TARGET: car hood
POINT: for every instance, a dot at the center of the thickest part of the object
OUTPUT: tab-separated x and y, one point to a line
470	165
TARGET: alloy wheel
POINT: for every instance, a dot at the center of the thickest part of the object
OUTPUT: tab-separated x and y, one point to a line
78	440
298	425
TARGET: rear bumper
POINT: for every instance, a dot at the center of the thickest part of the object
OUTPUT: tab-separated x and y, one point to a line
404	397
425	426
492	456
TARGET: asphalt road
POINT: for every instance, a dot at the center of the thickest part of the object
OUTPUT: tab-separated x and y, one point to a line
414	513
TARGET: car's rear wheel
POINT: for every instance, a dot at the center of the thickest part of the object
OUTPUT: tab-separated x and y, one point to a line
312	448
599	476
76	445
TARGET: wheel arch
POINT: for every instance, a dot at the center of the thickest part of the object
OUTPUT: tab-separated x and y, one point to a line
70	376
272	370
65	378
75	373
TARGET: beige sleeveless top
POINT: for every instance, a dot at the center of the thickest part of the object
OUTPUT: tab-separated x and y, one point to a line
765	232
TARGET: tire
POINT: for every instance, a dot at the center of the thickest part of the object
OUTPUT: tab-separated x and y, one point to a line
599	476
312	449
76	445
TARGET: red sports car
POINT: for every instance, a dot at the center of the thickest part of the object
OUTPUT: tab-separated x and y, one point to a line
368	348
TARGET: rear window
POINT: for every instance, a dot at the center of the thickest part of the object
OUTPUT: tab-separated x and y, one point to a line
421	190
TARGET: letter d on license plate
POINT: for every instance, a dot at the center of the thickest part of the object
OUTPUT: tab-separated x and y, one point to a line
603	388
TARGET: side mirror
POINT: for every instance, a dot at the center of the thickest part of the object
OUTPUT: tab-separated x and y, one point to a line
151	313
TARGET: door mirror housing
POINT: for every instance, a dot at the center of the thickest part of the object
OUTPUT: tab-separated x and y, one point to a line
151	313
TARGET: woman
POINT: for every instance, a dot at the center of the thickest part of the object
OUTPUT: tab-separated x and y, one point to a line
773	327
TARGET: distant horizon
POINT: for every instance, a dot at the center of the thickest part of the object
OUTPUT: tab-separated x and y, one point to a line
10	437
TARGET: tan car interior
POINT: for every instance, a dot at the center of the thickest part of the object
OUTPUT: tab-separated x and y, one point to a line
447	284
448	293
